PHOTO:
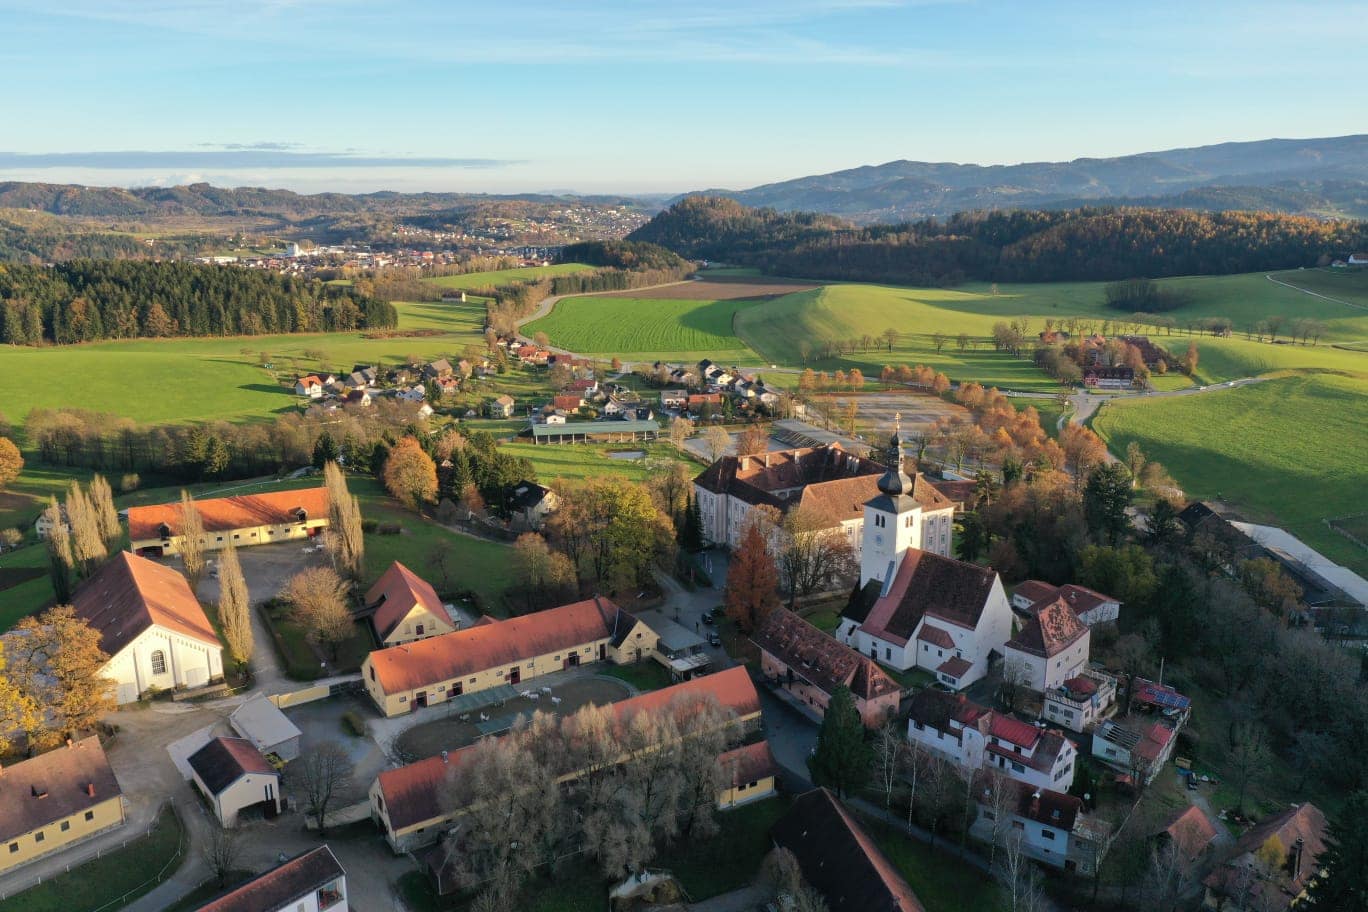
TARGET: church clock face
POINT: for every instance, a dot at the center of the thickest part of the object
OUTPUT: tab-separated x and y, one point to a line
878	538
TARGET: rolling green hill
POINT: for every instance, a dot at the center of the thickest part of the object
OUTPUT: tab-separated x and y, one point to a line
640	328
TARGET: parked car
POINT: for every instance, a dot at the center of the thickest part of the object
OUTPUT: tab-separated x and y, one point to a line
708	619
714	640
1192	783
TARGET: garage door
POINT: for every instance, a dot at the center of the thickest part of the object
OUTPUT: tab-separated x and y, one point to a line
196	677
127	693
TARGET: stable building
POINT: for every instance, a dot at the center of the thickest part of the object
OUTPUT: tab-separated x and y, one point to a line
55	800
503	654
233	776
312	881
403	607
151	626
247	519
749	773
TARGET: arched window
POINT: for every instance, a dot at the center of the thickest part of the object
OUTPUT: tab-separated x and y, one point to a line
158	662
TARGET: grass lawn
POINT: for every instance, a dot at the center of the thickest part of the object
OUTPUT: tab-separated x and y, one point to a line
941	882
644	676
731	858
118	875
28	597
508	276
586	460
636	328
1253	446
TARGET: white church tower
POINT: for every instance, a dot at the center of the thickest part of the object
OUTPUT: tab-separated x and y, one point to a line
892	521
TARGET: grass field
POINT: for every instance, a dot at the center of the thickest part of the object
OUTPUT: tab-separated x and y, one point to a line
506	276
578	460
633	328
941	882
1287	451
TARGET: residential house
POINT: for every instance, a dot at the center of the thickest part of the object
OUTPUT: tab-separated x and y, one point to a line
361	398
425	411
678	648
1358	259
674	398
749	774
447	386
1134	748
553	418
56	800
701	403
502	407
439	368
362	377
247	519
839	859
1082	701
1272	865
808	665
1052	826
42	526
1109	377
503	654
464	367
271	732
1051	648
233	776
150	625
310	386
404	608
312	881
587	387
409	803
975	737
532	503
1189	831
1092	607
1149	696
567	402
411	394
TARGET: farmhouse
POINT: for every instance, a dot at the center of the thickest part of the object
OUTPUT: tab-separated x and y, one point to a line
42	526
532	503
55	800
1109	377
801	661
408	802
312	881
1092	607
310	386
1251	881
439	368
500	407
151	626
1050	648
503	654
247	519
839	859
1051	824
403	607
233	776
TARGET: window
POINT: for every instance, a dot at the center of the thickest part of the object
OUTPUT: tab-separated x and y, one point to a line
14	847
372	672
90	815
39	836
888	654
1047	833
220	538
1017	767
418	631
158	662
403	699
66	825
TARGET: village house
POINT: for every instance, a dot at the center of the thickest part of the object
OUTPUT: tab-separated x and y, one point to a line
839	859
1137	749
1082	701
1051	647
435	369
409	803
312	881
361	398
703	403
247	519
808	665
1189	831
151	626
42	526
55	800
411	394
567	402
1053	828
464	367
530	503
1358	259
1092	607
1272	864
500	407
310	386
587	387
974	737
503	654
271	732
749	773
404	608
1100	377
674	398
233	776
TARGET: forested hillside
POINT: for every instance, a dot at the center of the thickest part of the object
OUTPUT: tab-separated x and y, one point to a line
1017	246
89	300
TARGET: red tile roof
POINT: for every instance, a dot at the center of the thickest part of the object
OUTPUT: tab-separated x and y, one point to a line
224	513
1191	830
282	886
399	669
396	593
750	763
819	657
934	635
929	585
1052	628
1275	889
51	786
1035	591
1081	599
1081	685
129	594
955	667
1015	731
1155	739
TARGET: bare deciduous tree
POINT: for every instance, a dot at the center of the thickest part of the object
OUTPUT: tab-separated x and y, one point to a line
323	775
716	442
889	746
346	540
220	852
319	597
192	539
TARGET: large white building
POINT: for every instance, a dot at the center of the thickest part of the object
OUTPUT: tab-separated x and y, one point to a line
916	606
151	626
1051	647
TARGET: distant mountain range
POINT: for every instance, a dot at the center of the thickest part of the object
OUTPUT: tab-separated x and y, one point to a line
1305	176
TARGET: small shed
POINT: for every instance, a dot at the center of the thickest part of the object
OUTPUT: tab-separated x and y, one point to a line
233	776
270	730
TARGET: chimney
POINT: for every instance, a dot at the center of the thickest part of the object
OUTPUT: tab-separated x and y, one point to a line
37	793
444	757
1297	849
1035	803
90	789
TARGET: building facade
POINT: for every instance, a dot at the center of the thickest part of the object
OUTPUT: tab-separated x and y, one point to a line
1051	648
312	881
405	608
250	519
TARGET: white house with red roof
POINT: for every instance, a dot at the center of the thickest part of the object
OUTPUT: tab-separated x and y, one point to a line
1092	607
1050	648
1053	828
1139	749
1082	701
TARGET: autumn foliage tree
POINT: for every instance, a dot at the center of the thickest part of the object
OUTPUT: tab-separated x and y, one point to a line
319	599
752	581
410	475
56	659
11	462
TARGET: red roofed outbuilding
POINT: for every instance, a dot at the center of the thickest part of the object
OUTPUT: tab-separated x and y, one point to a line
247	519
404	607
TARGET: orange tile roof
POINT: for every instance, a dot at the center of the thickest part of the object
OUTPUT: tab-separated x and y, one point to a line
1052	628
396	593
819	657
1191	829
399	669
929	585
748	764
294	881
224	513
128	594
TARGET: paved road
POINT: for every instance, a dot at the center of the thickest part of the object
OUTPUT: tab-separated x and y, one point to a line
1086	404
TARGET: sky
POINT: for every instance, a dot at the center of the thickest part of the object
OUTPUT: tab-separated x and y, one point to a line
645	96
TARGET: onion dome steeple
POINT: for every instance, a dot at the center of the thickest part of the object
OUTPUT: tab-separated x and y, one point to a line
895	481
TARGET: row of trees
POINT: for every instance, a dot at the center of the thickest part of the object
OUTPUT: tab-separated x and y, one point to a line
83	530
88	300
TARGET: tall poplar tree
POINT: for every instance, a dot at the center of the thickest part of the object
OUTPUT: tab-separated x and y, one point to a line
235	607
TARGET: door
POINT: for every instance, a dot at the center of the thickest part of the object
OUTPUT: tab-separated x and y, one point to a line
128	692
603	651
573	660
515	676
420	700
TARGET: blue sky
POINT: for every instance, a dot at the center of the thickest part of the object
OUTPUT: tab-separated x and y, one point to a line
644	95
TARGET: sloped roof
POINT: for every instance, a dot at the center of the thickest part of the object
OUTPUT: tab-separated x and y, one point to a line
1035	591
748	764
955	667
1190	829
1054	809
927	584
283	885
223	513
1015	731
819	657
1052	627
1276	890
128	594
484	646
224	761
396	593
936	709
839	859
936	636
1083	599
51	786
261	722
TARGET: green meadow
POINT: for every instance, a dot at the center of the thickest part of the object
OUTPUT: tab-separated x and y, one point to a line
639	328
506	276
